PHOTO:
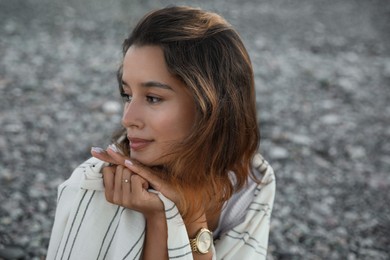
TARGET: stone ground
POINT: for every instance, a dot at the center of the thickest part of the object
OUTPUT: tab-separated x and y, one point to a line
322	72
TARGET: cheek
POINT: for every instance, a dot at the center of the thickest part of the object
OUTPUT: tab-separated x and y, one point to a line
175	126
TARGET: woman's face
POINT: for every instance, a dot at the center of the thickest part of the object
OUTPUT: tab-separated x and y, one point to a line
159	110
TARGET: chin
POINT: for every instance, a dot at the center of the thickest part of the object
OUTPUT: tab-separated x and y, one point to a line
148	161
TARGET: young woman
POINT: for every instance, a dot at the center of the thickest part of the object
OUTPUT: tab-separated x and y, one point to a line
182	179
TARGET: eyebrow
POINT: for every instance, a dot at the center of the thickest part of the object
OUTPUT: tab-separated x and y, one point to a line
152	84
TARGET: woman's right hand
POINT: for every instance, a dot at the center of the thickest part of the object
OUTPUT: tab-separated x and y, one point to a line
137	174
129	190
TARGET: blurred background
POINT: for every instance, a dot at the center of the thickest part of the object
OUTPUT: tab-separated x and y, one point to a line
323	85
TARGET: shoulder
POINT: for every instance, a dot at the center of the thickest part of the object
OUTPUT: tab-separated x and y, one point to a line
253	202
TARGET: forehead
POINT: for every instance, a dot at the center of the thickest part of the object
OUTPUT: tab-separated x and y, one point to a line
149	56
145	63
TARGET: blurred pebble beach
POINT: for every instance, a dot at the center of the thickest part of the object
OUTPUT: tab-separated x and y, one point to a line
322	72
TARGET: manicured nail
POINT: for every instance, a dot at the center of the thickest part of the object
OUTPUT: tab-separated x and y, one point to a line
97	150
128	163
113	148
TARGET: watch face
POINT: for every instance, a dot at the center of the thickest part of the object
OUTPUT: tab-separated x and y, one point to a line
204	241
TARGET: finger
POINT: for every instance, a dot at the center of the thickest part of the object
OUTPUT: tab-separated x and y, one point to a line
145	173
138	184
153	180
116	155
117	197
101	154
142	199
126	183
108	181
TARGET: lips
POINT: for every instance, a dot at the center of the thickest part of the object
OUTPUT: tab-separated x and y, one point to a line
138	143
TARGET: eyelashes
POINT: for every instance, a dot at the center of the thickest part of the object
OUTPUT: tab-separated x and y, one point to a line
126	98
153	99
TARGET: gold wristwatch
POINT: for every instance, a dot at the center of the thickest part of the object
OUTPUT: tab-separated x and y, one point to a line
202	242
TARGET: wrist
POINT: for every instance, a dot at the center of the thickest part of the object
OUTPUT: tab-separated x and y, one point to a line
193	226
155	217
156	223
156	237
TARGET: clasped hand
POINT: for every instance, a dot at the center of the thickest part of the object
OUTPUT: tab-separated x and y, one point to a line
127	183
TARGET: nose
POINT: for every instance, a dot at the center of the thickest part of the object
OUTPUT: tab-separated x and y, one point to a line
132	115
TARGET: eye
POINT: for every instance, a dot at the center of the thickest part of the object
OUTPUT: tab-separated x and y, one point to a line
125	97
153	100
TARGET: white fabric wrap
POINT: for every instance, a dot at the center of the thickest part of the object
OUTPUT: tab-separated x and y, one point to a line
86	226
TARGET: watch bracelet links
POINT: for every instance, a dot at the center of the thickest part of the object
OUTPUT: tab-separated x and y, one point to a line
193	245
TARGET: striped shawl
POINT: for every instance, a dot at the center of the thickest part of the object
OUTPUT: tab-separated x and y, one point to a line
86	226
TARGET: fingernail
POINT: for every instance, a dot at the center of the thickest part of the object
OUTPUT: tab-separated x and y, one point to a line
97	150
113	148
128	163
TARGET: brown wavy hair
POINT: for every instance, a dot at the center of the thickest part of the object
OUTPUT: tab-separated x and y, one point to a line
207	54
